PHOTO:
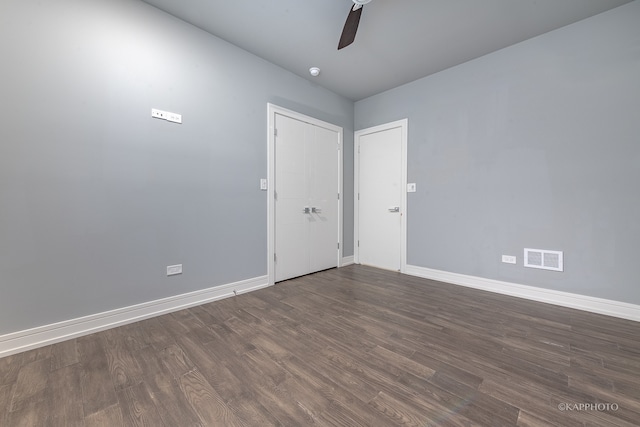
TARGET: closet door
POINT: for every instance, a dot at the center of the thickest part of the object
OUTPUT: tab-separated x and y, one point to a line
323	199
306	198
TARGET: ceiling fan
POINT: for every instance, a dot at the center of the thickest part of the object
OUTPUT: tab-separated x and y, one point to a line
351	25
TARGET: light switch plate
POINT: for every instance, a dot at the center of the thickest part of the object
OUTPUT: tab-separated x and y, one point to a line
263	184
411	187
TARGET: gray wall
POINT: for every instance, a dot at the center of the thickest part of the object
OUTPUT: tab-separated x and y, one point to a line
97	198
537	145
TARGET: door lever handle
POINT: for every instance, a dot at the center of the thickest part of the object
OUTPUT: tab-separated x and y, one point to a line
394	209
316	210
306	210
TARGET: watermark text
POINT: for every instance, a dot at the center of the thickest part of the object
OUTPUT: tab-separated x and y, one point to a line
580	407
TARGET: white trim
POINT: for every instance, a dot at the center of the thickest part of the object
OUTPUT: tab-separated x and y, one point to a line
404	126
41	336
272	110
565	299
348	260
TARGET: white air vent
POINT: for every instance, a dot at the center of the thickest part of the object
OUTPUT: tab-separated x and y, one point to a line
544	259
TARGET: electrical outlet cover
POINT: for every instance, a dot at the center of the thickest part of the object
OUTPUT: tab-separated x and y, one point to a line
509	259
172	270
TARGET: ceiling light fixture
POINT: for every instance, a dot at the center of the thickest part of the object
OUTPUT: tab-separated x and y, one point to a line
359	3
314	71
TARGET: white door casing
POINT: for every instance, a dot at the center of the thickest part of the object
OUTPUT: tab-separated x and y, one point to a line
304	170
380	179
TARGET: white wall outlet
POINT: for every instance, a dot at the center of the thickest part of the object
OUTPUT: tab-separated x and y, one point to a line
263	184
172	270
411	187
509	259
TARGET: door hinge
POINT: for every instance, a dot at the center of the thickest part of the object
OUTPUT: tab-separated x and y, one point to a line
338	196
275	195
275	132
275	258
358	196
358	243
338	245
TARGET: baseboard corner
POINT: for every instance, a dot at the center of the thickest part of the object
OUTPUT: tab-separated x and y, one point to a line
348	260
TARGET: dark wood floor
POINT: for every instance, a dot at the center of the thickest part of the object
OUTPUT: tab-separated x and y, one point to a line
350	347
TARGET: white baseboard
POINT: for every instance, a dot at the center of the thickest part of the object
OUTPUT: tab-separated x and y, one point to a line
41	336
348	260
564	299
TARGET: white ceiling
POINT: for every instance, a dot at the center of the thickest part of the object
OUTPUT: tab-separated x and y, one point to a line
398	40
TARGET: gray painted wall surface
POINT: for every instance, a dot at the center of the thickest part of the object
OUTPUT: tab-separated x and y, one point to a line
97	198
537	146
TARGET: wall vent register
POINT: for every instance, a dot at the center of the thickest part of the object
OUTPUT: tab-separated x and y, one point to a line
543	259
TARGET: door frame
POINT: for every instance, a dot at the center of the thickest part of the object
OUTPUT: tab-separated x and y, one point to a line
404	126
272	110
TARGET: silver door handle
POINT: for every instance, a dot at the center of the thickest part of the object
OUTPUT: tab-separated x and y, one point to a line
316	210
306	210
394	209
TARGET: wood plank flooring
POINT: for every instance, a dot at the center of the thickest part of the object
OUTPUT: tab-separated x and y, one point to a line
354	346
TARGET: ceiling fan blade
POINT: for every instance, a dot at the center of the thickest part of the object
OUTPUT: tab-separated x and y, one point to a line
350	27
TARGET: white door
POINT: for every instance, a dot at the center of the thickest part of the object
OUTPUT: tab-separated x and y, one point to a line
381	202
323	200
306	198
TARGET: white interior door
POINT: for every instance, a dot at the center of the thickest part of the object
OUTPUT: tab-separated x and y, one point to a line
323	199
292	223
381	197
306	198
